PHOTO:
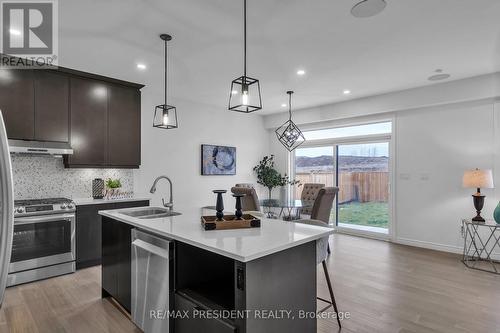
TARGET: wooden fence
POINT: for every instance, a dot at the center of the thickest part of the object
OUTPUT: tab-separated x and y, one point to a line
354	186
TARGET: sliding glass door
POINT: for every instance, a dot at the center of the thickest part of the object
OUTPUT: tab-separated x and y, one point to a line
363	180
357	160
315	165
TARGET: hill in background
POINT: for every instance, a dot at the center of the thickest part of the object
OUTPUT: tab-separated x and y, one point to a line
324	163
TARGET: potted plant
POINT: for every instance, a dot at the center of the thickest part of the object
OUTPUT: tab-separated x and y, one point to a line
112	187
269	177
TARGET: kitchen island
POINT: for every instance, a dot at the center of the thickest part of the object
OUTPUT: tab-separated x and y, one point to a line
244	280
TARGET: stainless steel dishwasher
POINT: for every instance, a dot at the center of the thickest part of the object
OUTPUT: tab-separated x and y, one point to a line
151	281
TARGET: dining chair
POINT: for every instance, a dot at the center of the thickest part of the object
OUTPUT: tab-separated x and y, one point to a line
250	200
248	185
322	245
323	204
308	196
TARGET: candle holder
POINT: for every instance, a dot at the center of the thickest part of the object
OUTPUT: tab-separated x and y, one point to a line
220	204
238	213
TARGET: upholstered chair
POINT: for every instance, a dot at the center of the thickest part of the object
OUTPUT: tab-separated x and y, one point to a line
248	185
309	193
323	204
250	202
320	216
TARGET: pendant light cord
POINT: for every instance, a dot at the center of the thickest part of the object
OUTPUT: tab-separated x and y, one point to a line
245	38
165	74
290	105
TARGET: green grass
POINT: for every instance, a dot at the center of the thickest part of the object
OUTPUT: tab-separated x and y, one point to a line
372	214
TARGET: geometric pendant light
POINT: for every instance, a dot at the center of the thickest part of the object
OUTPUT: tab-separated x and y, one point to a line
289	134
244	95
165	115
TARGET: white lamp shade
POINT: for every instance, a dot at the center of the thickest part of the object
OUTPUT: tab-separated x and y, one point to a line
478	178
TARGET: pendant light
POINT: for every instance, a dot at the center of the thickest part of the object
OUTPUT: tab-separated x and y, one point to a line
244	95
165	115
289	134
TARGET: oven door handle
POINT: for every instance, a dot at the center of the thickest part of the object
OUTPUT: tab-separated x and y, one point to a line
43	219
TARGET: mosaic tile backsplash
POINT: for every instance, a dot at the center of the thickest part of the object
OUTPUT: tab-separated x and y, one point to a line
37	177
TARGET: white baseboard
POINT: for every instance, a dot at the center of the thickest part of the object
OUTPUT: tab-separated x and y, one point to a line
437	247
429	245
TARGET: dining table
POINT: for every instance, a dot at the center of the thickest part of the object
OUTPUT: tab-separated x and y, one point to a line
288	209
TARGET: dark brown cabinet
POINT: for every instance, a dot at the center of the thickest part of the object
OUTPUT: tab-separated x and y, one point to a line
89	233
89	123
99	116
35	104
124	126
51	106
116	261
17	103
105	125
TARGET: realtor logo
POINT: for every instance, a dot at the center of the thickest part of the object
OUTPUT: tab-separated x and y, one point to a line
29	31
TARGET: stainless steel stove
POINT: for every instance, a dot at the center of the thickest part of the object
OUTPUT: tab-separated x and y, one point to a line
44	240
43	206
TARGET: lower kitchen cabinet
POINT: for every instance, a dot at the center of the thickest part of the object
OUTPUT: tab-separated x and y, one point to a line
116	261
89	233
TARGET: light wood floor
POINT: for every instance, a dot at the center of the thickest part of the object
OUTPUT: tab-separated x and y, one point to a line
385	288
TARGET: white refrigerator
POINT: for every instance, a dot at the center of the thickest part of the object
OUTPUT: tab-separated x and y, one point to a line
6	208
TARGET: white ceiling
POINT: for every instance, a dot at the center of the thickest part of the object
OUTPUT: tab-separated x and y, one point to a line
394	50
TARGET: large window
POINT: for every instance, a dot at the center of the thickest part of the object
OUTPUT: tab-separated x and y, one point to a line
357	160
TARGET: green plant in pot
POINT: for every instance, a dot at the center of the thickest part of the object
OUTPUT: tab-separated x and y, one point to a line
112	187
269	177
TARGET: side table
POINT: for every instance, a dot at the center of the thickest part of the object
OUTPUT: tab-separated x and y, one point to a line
481	240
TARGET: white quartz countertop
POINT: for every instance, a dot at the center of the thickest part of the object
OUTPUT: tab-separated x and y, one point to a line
92	201
240	244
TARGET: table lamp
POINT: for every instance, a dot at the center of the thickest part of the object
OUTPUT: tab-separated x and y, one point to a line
477	179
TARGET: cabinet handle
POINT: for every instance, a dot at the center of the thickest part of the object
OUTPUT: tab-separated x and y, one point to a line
151	248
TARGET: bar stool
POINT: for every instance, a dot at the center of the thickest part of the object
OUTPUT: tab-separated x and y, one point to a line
322	247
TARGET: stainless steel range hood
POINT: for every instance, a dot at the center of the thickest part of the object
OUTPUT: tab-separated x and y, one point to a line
39	147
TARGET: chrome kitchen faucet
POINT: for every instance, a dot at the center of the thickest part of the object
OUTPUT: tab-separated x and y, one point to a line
170	204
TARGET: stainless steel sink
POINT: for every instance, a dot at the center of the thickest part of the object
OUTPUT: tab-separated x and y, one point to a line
149	212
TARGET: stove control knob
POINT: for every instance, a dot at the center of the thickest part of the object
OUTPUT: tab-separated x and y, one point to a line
64	206
20	210
71	205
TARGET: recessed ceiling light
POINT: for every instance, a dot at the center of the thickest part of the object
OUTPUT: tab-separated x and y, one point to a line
368	8
346	92
15	32
283	105
301	72
438	77
141	66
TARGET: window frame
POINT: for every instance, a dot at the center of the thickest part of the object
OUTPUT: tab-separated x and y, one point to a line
360	139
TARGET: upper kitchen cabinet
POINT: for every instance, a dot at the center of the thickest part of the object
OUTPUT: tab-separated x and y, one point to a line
124	126
105	124
89	123
17	103
100	117
51	106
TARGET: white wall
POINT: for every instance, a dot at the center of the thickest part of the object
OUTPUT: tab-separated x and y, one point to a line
176	153
434	144
433	148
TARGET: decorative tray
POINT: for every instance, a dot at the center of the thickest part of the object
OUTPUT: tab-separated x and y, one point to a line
230	222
